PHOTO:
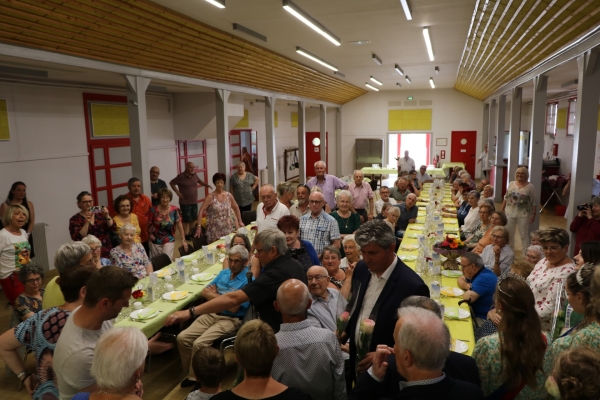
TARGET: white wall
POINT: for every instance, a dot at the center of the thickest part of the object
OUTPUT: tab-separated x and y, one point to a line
48	150
367	117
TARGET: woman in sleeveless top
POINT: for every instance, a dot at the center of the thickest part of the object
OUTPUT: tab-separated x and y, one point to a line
17	196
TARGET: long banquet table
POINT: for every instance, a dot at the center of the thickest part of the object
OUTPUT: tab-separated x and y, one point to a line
459	329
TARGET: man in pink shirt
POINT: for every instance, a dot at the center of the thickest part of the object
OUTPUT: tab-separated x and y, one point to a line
362	193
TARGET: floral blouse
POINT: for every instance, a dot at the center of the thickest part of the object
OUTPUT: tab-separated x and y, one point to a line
545	283
478	233
99	229
519	201
25	304
163	226
588	336
488	360
134	263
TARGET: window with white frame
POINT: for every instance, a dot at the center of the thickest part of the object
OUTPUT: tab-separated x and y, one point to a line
551	110
571	117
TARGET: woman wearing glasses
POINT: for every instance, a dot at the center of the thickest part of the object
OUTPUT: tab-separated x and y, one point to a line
549	274
498	256
96	246
519	205
30	301
94	221
485	212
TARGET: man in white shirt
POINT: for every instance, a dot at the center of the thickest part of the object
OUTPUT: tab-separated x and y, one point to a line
423	176
483	159
384	193
405	163
270	210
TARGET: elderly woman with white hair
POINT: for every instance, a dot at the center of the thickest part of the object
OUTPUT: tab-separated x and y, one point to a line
348	221
129	255
534	254
352	250
118	365
498	256
519	206
96	245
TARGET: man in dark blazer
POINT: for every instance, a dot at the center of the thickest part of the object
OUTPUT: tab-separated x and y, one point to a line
457	366
385	281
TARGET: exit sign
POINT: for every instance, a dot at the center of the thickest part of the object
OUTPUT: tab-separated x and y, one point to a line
409	97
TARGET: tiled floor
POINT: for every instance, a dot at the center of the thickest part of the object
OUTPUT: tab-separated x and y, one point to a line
162	381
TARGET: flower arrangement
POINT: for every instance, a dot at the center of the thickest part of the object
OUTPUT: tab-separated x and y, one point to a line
138	294
452	248
451	243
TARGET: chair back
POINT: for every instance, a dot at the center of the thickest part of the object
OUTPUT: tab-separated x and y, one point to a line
160	261
248	216
182	251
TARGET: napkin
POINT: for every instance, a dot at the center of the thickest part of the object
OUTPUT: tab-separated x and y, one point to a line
178	295
146	313
164	272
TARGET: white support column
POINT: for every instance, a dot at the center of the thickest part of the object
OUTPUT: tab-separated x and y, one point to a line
492	129
323	131
586	120
536	147
484	135
515	131
271	148
499	164
223	157
138	129
302	143
338	142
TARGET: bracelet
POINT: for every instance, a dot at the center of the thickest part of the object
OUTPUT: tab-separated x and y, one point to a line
192	313
22	374
26	376
108	219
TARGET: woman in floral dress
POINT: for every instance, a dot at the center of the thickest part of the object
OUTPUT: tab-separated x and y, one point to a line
129	255
218	206
163	220
519	206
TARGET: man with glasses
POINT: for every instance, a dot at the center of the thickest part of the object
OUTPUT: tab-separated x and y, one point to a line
384	193
209	327
270	210
318	227
479	284
324	309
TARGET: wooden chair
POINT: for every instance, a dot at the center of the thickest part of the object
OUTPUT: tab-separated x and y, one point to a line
160	261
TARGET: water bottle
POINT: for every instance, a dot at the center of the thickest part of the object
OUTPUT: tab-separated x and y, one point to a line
181	270
153	286
435	289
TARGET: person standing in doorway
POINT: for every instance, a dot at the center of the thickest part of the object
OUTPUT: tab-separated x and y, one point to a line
155	185
483	159
405	163
185	185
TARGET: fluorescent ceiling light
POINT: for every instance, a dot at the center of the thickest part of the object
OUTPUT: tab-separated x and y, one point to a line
407	79
431	83
315	58
339	74
310	21
376	81
428	42
218	3
248	31
371	87
406	9
376	59
398	69
398	84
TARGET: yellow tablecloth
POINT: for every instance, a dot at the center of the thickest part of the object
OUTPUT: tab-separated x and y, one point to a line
378	171
453	164
460	329
435	171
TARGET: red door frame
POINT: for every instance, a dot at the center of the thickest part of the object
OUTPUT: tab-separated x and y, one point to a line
203	170
470	147
105	144
427	143
253	147
309	136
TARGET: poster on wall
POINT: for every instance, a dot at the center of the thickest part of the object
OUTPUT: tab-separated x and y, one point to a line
4	131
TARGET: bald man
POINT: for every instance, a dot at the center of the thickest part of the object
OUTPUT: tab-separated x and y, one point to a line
309	358
324	309
185	185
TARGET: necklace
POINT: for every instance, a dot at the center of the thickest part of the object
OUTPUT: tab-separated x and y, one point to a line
345	220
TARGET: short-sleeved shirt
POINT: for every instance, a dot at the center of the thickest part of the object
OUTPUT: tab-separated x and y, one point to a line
423	177
154	188
506	258
296	212
163	226
73	356
406	215
484	284
118	224
262	292
270	220
53	296
406	164
399	196
361	194
329	185
99	228
141	208
25	304
135	263
225	284
242	189
347	225
188	187
379	204
14	252
320	231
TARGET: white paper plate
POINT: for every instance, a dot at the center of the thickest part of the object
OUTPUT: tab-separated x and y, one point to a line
167	296
448	289
411	235
451	273
409	247
203	277
452	311
408	258
166	271
147	313
460	346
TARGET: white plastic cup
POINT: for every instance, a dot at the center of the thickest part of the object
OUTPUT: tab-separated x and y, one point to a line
195	271
169	287
168	278
138	305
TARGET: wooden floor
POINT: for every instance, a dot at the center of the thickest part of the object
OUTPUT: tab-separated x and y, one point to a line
162	381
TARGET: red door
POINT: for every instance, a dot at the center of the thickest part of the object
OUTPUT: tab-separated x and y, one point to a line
313	152
463	149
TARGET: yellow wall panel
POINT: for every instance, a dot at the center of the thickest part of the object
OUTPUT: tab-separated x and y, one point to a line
561	118
244	122
109	119
4	131
294	120
405	120
276	119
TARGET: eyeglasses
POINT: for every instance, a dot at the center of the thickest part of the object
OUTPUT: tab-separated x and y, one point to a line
233	261
87	201
315	201
95	248
551	248
497	237
315	278
465	266
34	280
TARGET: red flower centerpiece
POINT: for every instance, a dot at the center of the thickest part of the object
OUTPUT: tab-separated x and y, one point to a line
451	248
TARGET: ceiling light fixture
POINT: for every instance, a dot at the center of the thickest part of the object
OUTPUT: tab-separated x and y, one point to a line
359	42
338	73
248	31
432	83
406	9
437	70
398	84
428	42
371	87
315	58
376	59
407	79
218	3
398	69
375	80
310	21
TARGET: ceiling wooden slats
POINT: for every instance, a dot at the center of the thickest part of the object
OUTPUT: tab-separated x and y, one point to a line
509	37
146	35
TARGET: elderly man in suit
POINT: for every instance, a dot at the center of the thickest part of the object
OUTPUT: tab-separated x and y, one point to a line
387	281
